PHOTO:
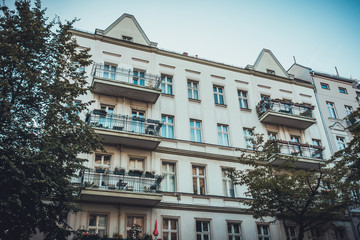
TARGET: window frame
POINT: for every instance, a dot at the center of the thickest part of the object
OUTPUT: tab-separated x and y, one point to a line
197	176
340	142
219	97
97	227
270	71
136	160
102	156
167	125
139	78
196	130
243	100
167	176
203	233
127	229
331	109
223	136
248	137
272	135
324	86
192	89
233	235
262	235
166	85
170	230
348	109
110	71
227	184
343	90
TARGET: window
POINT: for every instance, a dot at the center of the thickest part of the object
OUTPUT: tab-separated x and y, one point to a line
340	233
219	95
243	99
202	230
198	173
295	148
234	231
331	109
168	184
263	232
127	38
272	135
223	134
134	222
170	229
195	130
266	98
166	84
136	164
109	71
348	110
193	90
137	122
139	77
248	136
325	86
106	121
269	71
167	129
292	232
340	142
342	90
97	224
316	142
228	185
102	160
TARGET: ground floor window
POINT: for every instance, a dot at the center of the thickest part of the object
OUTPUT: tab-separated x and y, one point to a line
170	229
135	226
234	231
97	224
263	232
202	230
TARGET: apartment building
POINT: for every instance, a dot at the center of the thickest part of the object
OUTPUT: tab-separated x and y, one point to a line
184	118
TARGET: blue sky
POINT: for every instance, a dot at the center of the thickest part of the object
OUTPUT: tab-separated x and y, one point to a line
320	34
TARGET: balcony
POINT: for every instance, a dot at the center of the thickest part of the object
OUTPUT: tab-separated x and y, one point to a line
124	130
123	189
309	156
285	113
120	82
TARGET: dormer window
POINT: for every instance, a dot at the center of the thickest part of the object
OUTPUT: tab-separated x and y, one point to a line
269	71
127	38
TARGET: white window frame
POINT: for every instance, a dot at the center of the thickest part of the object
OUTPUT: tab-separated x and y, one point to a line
135	217
197	177
167	177
102	160
243	99
170	230
167	125
167	84
138	77
292	234
218	96
324	86
203	233
228	185
137	160
331	109
192	90
261	234
232	235
196	130
270	71
343	89
96	228
341	144
223	134
348	110
272	135
109	71
248	137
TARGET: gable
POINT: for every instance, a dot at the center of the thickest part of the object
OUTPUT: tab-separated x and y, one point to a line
300	72
127	26
337	126
267	61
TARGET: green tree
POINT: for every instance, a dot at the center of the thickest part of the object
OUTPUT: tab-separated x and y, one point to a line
41	134
307	198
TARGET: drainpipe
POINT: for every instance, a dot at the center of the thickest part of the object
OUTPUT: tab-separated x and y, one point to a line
321	115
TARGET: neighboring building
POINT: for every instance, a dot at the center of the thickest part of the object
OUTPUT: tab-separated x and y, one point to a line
184	118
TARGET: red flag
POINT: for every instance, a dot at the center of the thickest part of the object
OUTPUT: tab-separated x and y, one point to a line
155	232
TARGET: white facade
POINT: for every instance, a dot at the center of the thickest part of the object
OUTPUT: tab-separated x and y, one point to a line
208	130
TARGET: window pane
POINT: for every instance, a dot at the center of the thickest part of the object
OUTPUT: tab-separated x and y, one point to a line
205	227
198	226
201	171
98	159
165	236
102	220
173	236
92	220
173	224
165	224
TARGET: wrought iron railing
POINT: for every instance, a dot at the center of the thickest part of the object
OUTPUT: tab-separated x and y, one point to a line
126	76
90	179
300	149
100	118
284	107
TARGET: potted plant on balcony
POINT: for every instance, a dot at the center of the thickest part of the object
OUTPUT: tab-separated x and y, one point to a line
99	170
99	112
150	174
119	171
135	172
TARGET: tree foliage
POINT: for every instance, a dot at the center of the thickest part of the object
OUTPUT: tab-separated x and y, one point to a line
41	134
306	198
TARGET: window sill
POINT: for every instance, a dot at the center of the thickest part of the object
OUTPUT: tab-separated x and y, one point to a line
201	196
221	105
167	95
334	119
197	144
194	100
245	109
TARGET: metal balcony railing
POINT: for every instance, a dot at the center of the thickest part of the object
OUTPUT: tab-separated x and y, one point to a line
284	107
90	179
300	149
99	118
123	75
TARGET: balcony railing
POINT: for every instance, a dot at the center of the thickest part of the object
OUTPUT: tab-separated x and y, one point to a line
126	76
300	149
99	118
284	107
91	179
